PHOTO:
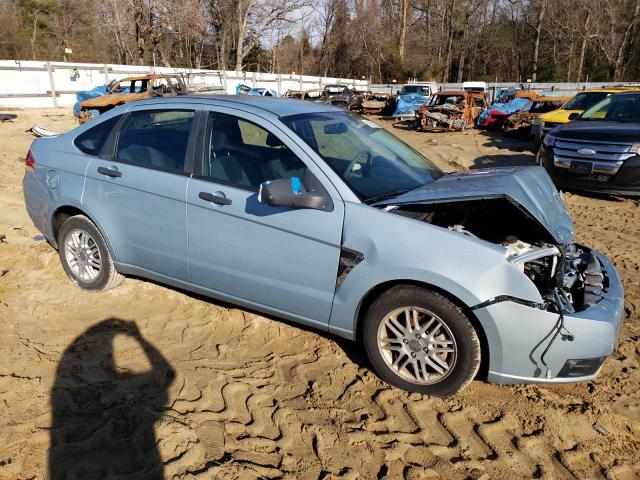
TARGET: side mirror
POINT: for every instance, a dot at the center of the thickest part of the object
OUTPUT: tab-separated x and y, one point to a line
289	192
573	116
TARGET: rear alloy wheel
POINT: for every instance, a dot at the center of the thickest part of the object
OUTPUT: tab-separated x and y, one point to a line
84	255
420	341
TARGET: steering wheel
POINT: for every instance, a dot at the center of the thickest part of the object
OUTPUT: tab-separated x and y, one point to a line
361	154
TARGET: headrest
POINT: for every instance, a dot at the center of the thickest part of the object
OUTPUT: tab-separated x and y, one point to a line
219	140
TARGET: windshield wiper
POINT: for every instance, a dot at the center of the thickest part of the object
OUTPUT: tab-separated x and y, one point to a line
384	196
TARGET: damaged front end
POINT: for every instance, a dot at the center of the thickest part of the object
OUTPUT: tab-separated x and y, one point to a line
519	123
564	273
565	334
450	111
504	207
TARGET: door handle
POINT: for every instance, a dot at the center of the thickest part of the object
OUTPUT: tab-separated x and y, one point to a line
109	172
218	200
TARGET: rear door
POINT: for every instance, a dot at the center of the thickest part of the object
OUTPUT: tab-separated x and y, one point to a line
282	258
137	187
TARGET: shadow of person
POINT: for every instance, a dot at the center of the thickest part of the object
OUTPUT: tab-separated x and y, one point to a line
103	413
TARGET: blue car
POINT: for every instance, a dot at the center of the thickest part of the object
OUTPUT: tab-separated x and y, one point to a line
319	216
411	98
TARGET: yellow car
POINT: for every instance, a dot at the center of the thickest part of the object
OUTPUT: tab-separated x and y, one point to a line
578	104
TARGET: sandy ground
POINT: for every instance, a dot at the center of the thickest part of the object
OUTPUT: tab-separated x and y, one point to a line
145	380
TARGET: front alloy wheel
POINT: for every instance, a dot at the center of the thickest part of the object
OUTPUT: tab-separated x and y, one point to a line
417	345
420	341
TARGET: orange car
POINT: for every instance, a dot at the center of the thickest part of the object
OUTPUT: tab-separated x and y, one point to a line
130	89
451	110
521	122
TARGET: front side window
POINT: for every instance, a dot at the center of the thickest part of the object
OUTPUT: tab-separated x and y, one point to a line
155	139
584	100
92	140
372	161
241	153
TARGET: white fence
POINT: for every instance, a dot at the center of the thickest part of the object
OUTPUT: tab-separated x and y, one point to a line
35	84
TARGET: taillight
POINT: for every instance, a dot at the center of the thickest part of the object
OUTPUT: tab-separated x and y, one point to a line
30	161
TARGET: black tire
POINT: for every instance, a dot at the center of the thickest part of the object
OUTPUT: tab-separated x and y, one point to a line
466	342
107	277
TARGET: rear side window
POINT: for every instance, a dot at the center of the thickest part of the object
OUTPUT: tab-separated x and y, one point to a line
92	140
155	139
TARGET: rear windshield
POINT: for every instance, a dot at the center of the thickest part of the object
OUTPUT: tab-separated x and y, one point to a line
544	107
450	99
92	140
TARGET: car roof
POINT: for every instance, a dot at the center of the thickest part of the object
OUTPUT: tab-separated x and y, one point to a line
143	77
628	93
278	106
549	98
612	89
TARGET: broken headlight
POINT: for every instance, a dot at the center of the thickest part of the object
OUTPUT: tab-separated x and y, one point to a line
538	263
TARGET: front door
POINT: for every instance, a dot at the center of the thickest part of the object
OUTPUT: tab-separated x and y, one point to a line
138	194
281	258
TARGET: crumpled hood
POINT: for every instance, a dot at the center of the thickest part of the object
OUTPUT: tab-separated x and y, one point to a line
528	187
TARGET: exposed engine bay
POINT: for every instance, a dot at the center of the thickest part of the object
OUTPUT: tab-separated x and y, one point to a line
569	277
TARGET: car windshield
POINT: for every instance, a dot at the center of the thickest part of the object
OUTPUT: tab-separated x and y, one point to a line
584	100
616	108
447	99
334	88
374	163
544	107
421	89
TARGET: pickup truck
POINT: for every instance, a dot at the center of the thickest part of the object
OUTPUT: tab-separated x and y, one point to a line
411	97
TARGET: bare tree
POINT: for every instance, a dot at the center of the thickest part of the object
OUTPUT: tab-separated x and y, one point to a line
537	28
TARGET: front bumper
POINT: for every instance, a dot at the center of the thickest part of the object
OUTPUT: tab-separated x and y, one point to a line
517	336
626	181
